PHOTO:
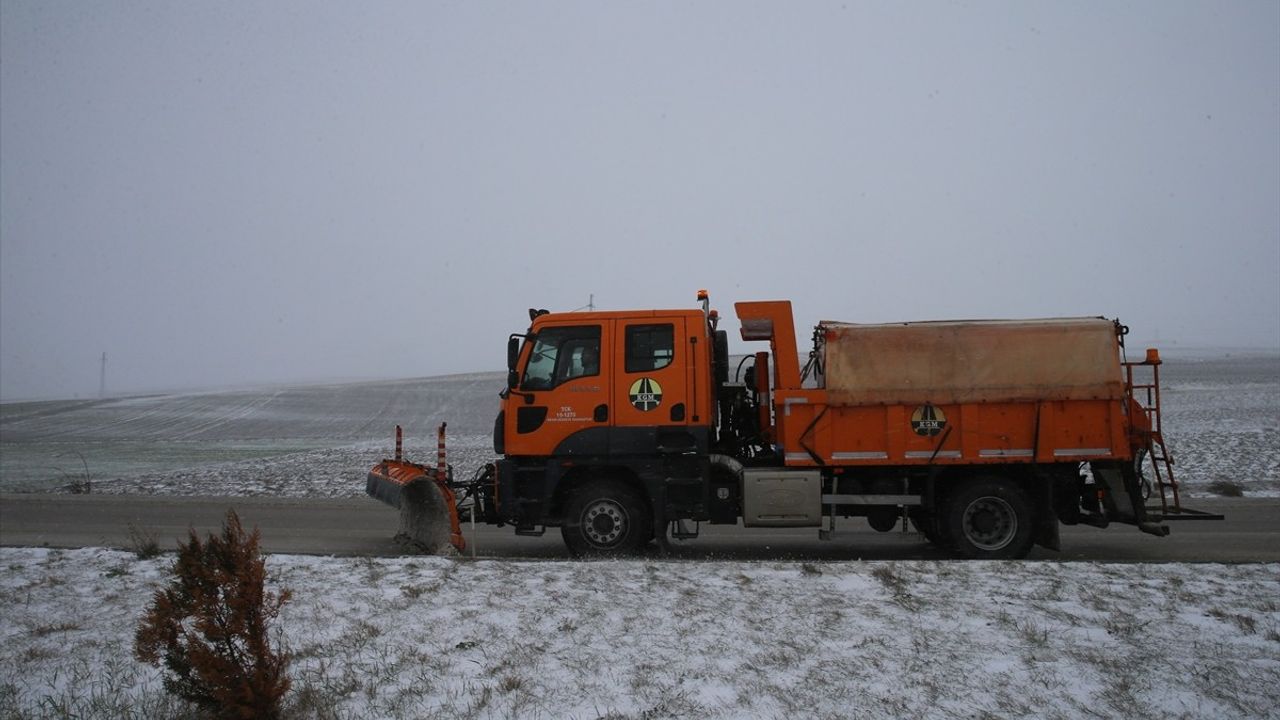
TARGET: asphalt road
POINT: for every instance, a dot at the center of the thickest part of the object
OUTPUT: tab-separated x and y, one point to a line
1251	532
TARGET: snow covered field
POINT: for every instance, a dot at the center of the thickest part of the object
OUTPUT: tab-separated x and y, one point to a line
442	638
307	441
1222	422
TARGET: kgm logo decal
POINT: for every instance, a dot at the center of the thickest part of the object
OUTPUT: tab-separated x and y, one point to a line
645	394
928	420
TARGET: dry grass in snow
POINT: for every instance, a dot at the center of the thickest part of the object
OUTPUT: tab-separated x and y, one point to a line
433	637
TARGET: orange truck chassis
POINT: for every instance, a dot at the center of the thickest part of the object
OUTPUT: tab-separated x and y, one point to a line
623	428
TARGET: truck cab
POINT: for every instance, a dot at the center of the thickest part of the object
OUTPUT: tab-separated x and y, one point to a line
615	400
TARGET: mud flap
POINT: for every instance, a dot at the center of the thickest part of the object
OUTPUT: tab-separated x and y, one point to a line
1122	498
1047	535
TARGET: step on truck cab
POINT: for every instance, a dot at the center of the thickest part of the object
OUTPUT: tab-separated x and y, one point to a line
625	427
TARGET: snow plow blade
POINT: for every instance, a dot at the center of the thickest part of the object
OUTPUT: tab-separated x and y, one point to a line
428	507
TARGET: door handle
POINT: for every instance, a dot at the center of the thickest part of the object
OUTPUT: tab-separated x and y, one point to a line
602	413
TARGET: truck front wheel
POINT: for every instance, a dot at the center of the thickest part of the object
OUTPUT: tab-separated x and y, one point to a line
989	518
606	518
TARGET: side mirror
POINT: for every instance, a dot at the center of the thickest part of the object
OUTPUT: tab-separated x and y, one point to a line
513	357
513	352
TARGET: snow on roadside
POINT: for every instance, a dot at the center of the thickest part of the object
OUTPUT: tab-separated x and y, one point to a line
433	637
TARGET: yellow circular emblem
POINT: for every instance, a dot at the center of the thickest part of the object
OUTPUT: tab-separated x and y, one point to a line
928	420
645	394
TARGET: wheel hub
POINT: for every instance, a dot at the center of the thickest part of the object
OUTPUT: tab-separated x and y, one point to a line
990	523
604	522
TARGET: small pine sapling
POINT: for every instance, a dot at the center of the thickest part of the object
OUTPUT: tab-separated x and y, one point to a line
208	628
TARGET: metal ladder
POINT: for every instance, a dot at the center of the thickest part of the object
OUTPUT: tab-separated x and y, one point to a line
1146	396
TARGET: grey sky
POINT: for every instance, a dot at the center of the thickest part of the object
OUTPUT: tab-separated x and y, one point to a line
233	193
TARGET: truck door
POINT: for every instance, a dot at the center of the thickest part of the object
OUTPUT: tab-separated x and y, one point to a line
650	378
567	378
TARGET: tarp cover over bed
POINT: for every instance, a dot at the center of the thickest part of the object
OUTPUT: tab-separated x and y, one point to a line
972	361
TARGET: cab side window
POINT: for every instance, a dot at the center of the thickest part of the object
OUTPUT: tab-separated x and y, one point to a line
560	354
650	347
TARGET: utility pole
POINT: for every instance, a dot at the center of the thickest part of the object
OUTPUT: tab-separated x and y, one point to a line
591	302
102	377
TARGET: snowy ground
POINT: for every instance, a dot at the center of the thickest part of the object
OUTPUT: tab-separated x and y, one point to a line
436	637
1222	422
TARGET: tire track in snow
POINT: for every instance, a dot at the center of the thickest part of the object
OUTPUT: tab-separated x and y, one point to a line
97	422
14	414
378	416
160	420
253	404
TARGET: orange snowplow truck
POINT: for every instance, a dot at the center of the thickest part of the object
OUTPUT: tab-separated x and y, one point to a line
625	427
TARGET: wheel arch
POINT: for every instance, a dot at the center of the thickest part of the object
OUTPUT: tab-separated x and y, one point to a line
605	513
1037	482
579	476
1001	491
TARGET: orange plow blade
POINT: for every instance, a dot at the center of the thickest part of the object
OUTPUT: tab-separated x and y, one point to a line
428	507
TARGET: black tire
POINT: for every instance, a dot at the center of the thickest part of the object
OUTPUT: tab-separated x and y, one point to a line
606	518
989	518
883	519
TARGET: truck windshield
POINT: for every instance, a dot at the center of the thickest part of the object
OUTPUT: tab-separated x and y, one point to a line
562	353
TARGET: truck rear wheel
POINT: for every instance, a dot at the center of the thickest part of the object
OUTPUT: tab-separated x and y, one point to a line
989	518
606	518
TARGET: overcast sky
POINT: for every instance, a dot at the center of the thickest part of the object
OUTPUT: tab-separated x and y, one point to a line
236	193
